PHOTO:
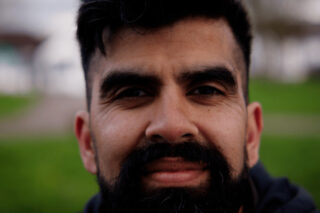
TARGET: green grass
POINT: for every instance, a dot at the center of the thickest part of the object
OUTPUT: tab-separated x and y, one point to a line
296	158
43	175
302	98
12	104
46	174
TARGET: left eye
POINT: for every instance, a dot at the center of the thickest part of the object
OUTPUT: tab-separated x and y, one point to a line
132	93
205	90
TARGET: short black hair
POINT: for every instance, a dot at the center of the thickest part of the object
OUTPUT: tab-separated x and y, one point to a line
95	16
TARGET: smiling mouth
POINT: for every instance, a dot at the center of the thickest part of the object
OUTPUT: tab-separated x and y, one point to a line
175	172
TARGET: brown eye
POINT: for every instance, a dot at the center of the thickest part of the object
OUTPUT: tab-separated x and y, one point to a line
132	93
205	90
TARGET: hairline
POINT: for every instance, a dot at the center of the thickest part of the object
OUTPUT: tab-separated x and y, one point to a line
108	37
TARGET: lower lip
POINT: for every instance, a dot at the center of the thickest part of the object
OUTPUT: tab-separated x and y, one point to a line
177	178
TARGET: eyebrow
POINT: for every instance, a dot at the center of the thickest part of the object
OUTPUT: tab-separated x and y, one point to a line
125	77
218	74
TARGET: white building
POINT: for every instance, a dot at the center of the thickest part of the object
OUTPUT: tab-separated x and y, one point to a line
49	61
287	41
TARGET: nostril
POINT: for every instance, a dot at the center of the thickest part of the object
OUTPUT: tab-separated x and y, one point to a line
157	138
187	135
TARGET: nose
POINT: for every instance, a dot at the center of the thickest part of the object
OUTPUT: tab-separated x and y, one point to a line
171	121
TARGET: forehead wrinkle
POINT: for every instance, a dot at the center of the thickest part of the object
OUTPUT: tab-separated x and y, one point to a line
189	29
170	33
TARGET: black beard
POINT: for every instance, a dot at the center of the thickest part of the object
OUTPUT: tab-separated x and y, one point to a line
223	194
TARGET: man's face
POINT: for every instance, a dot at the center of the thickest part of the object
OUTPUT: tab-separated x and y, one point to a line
177	84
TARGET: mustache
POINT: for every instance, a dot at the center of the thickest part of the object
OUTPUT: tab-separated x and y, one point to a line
138	159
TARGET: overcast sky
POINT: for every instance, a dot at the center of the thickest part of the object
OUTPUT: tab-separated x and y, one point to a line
35	16
40	17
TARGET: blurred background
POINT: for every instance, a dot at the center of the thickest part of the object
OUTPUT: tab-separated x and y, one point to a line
41	87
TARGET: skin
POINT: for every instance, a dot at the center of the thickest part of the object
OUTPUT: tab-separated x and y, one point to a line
172	108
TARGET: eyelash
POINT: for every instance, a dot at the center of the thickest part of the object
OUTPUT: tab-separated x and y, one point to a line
136	92
212	91
132	93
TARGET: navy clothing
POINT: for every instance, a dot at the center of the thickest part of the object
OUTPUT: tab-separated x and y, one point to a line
277	195
271	195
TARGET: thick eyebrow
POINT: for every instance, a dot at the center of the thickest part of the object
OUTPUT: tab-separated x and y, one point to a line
219	74
121	78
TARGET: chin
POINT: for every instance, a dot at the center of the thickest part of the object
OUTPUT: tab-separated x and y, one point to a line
182	178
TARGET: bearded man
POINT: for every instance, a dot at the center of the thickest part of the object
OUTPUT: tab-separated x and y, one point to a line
168	126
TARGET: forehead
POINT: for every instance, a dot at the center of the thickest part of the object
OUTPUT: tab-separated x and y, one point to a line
188	43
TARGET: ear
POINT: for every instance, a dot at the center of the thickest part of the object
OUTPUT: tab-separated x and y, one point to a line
85	141
254	129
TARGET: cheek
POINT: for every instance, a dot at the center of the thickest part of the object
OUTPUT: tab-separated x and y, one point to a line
116	135
226	130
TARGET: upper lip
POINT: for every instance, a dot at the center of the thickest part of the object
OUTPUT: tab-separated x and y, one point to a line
173	164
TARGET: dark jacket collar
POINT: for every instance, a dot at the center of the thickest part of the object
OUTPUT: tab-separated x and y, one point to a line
278	195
